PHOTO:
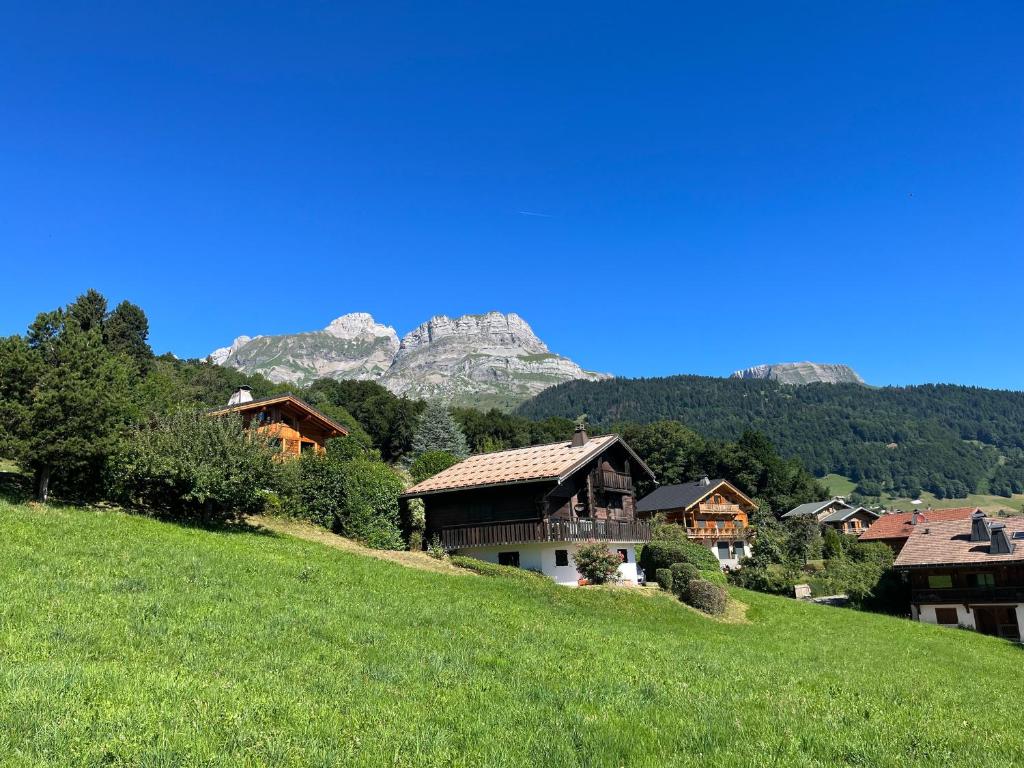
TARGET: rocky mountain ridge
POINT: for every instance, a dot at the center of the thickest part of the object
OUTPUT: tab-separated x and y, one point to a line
802	373
492	359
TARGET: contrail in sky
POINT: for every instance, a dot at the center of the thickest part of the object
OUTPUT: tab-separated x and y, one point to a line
534	213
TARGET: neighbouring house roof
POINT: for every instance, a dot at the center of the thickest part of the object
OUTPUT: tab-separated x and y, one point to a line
949	543
683	495
288	398
814	508
553	462
842	515
898	526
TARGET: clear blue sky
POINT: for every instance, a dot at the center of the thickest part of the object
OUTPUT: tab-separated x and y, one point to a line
721	184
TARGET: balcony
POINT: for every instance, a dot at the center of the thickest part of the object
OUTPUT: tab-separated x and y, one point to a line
719	509
526	531
966	595
609	480
709	533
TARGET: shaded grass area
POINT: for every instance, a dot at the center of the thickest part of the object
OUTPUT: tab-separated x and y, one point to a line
128	641
839	485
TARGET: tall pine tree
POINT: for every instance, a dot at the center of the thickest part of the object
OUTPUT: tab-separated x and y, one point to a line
439	431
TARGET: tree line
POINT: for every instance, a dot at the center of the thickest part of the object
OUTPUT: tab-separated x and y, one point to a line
950	440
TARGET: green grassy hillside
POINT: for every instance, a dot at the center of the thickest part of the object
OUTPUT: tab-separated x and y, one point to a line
127	641
839	485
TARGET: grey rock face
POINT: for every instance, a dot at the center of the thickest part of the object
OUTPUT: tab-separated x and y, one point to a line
802	373
484	360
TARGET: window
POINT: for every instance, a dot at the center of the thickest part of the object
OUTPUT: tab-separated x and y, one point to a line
508	558
723	550
275	443
940	581
981	580
307	447
624	554
946	616
561	557
738	547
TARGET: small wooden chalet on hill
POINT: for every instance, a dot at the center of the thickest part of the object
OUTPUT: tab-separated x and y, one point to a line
895	529
713	512
835	513
293	425
967	573
533	507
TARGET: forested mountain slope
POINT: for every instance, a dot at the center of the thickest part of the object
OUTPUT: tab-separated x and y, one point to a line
942	438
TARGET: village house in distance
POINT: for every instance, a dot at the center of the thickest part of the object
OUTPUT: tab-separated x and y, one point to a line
835	513
714	513
533	507
967	573
294	426
894	529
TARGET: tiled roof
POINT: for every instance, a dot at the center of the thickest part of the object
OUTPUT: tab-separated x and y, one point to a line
813	508
538	462
948	543
681	496
898	526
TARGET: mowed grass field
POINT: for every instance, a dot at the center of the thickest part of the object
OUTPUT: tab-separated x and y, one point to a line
130	642
840	485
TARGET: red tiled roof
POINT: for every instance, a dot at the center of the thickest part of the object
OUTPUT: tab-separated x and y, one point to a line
898	526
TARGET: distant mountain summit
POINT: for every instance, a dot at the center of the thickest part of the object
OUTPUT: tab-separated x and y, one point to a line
484	360
802	373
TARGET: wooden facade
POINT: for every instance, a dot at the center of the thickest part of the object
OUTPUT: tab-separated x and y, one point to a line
597	501
987	596
712	512
293	426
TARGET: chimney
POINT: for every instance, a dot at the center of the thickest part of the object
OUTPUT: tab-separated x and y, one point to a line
704	481
916	518
1001	544
579	437
242	395
979	530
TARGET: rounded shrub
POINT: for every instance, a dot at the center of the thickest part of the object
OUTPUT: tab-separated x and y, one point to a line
706	597
596	563
662	554
716	576
682	575
664	578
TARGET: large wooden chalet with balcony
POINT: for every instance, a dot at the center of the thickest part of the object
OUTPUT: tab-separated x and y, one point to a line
293	426
967	573
714	513
533	507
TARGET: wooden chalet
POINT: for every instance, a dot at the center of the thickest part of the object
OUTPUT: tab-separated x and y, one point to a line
531	507
967	573
835	513
713	512
294	426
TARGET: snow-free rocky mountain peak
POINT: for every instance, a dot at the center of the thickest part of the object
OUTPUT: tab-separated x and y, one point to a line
802	373
485	360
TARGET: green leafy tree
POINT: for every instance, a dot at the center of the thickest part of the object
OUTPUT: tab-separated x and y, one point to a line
191	465
804	541
430	463
596	563
439	431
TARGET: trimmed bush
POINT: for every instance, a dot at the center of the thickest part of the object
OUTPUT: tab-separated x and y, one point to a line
430	463
484	568
707	597
662	554
682	575
717	576
596	563
664	578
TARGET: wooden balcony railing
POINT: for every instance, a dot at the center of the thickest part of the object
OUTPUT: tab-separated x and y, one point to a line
609	480
719	509
969	595
734	534
525	531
